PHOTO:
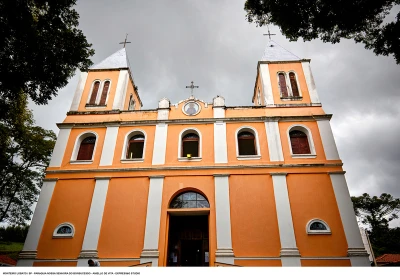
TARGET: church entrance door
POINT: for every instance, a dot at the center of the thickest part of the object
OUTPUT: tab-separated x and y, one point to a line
188	241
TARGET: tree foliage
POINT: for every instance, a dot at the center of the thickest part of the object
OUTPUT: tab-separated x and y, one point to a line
14	233
365	21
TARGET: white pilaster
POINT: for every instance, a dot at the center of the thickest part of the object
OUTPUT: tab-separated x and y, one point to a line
220	147
93	226
59	147
274	141
290	255
163	109
310	82
356	250
328	142
107	155
224	251
267	86
78	92
29	251
150	249
160	144
120	91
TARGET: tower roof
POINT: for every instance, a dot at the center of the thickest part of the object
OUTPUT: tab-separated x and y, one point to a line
275	52
117	60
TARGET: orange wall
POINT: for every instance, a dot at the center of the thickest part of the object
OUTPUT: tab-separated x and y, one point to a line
325	263
231	142
311	197
258	263
70	203
207	140
313	127
176	112
99	75
148	152
172	187
286	67
124	219
253	216
116	264
54	264
71	143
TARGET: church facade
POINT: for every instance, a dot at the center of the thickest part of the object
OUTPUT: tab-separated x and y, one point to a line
196	183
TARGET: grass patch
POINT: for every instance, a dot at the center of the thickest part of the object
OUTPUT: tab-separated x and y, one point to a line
11	249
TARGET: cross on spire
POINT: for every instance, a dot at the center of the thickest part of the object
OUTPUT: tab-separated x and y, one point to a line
269	34
191	89
125	42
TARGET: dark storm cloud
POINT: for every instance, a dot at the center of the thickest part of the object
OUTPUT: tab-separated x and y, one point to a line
210	42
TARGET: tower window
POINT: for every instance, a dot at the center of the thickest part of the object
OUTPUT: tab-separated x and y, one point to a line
190	145
95	89
86	148
293	84
131	105
282	85
299	142
135	147
104	93
246	143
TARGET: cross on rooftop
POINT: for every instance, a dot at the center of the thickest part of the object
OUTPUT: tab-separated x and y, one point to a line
269	34
125	42
191	89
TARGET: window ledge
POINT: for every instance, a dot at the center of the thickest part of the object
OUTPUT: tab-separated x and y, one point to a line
304	156
290	98
319	232
81	161
191	159
248	157
88	106
132	160
63	236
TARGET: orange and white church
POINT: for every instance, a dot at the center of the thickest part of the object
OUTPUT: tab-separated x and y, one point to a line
196	183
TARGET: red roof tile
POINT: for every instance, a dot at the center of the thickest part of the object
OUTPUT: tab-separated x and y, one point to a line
388	258
7	260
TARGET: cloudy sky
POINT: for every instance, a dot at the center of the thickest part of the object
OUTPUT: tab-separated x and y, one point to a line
211	43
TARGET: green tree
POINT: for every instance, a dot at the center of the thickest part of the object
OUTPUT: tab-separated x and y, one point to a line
377	212
365	21
41	48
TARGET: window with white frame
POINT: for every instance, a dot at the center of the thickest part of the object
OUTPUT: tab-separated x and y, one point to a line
135	144
99	93
64	230
247	146
189	145
317	226
85	146
288	85
301	142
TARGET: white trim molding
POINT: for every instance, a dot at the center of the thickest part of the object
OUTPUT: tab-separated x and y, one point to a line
110	141
224	252
120	91
274	141
220	146
257	143
356	250
181	135
64	235
77	145
266	84
79	91
328	141
93	226
125	148
150	248
310	82
29	251
289	252
307	131
59	148
320	231
160	144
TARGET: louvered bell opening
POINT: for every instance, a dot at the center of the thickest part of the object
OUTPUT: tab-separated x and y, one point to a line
86	149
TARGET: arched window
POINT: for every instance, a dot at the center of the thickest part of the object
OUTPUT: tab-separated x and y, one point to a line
131	105
293	84
246	143
135	147
104	94
86	148
189	200
317	226
95	89
64	230
282	85
190	145
299	142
